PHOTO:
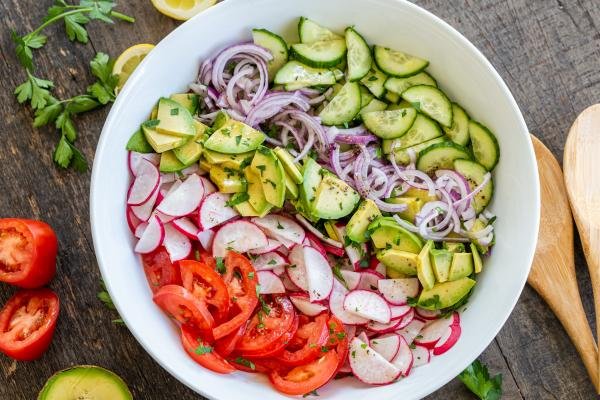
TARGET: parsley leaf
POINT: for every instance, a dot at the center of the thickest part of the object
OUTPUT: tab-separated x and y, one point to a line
237	198
202	349
220	265
477	378
74	27
244	362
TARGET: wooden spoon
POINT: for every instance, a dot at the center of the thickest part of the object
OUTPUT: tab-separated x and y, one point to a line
582	178
553	272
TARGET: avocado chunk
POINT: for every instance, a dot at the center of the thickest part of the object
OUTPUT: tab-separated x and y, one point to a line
266	165
440	261
154	112
85	382
174	119
477	226
170	163
420	194
245	209
413	206
188	100
366	213
221	119
462	266
331	230
288	164
234	137
424	270
255	192
446	294
334	198
454	247
291	189
236	161
138	143
387	233
311	179
227	180
394	274
190	152
204	165
159	141
398	261
477	263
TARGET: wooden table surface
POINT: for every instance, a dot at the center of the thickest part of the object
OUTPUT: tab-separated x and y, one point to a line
547	51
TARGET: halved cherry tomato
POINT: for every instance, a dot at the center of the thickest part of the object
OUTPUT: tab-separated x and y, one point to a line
202	352
182	305
226	345
159	269
27	252
276	347
27	323
206	284
240	278
308	377
313	336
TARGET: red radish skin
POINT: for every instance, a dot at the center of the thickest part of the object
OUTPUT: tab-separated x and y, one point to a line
144	211
397	291
410	331
297	269
407	319
369	280
368	305
336	251
303	304
315	232
280	226
134	159
289	285
144	185
132	220
139	231
421	355
214	211
336	305
209	187
404	357
311	240
380	268
427	315
165	219
319	275
269	283
153	237
187	227
177	244
433	331
400	311
380	328
269	261
206	238
369	366
185	199
387	345
351	278
448	340
272	245
363	336
239	236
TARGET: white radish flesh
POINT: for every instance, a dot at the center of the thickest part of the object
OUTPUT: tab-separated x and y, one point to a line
434	330
410	331
380	328
304	305
404	357
132	220
369	280
187	227
369	366
428	315
319	275
239	236
209	187
336	305
397	291
380	269
297	269
269	283
185	199
421	355
272	245
206	238
351	278
448	340
289	285
406	319
400	311
177	244
363	336
134	160
144	210
144	185
386	345
214	210
368	305
278	226
269	261
152	238
139	231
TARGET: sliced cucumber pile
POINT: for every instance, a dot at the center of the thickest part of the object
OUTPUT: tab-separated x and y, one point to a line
397	63
359	55
474	173
430	101
399	85
374	81
441	156
422	130
310	32
276	45
390	124
324	54
459	131
343	107
300	75
485	146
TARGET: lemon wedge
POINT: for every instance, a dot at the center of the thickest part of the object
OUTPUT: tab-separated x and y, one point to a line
182	9
129	60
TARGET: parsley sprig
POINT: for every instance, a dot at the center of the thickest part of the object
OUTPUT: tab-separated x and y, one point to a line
104	297
477	378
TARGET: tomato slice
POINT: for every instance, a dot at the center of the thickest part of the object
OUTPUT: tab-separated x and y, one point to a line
313	337
206	284
27	252
240	278
27	323
308	377
226	345
275	348
159	269
182	305
202	352
338	340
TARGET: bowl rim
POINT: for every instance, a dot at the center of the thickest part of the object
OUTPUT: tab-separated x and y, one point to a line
116	109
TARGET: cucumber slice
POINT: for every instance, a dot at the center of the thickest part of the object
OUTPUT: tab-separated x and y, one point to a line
392	97
374	105
402	156
309	32
374	81
422	130
430	101
297	75
359	55
85	382
474	173
459	131
276	45
365	96
343	107
399	85
389	124
320	54
441	156
485	146
397	63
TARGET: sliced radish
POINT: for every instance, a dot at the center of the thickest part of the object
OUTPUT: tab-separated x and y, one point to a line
165	219
351	278
177	244
410	331
144	210
153	237
239	236
192	169
139	231
317	233
311	240
369	366
434	330
448	340
363	336
428	315
318	273
406	319
145	183
187	227
304	305
380	328
297	269
279	271
183	200
380	268
289	284
387	345
134	160
209	187
336	305
272	245
278	226
345	369
400	311
397	291
421	355
132	220
350	331
404	357
214	210
269	261
206	238
369	280
354	251
171	188
368	305
168	178
269	283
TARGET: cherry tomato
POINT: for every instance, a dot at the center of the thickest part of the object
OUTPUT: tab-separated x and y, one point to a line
27	323
202	352
159	269
308	377
226	345
182	305
206	284
313	337
27	252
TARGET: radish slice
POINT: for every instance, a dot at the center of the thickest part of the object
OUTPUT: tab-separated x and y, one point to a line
428	315
278	226
351	278
206	238
410	331
368	305
269	261
214	210
173	187
134	160
272	245
183	200
397	291
354	253
380	328
311	240
317	233
304	305
145	183
209	187
363	336
350	331
165	219
139	231
269	283
433	331
369	366
406	319
380	269
144	210
404	357
279	271
448	340
168	178
177	244
132	220
239	236
369	280
400	311
318	273
289	285
297	269
421	355
387	345
153	237
192	169
336	305
187	227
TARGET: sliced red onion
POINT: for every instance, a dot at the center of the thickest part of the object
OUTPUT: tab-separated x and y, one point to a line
405	224
486	179
355	139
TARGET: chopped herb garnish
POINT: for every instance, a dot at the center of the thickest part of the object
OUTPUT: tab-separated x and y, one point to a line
477	379
251	275
244	362
261	168
220	265
238	139
237	198
272	261
200	350
174	111
313	393
372	78
279	226
363	346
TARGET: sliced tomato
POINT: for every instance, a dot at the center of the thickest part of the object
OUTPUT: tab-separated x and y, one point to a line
263	365
308	377
159	269
313	337
241	280
187	309
206	284
202	352
338	340
27	323
27	252
226	345
275	348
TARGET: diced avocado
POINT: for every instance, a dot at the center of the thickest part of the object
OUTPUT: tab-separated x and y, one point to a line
331	230
454	247
462	266
255	191
393	274
205	165
334	198
440	261
399	261
236	161
188	100
267	166
221	119
291	189
366	213
311	178
246	210
228	180
159	141
477	263
154	112
138	143
386	233
446	294
477	226
85	382
190	152
234	137
424	270
170	163
288	164
420	194
174	119
413	206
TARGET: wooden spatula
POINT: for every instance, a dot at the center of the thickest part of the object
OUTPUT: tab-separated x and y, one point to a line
582	178
553	272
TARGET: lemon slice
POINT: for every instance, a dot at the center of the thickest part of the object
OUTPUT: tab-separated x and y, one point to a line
182	9
129	60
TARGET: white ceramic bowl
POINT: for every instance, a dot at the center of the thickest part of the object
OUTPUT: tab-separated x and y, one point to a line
463	73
